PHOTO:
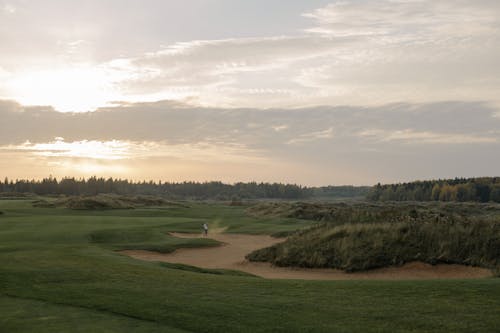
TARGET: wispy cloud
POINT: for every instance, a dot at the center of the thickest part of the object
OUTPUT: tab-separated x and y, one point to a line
309	137
424	137
358	53
279	128
124	149
353	53
399	20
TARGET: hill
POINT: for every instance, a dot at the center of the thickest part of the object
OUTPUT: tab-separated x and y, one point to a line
357	237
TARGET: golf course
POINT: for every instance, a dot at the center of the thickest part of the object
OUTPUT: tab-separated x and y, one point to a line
263	166
71	270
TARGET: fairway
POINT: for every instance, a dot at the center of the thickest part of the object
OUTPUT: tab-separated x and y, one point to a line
60	272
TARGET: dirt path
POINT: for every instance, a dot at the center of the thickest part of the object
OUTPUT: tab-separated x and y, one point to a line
231	255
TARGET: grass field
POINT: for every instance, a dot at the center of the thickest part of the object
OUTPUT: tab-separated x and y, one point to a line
59	273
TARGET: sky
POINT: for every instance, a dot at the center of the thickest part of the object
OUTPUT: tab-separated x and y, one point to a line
309	92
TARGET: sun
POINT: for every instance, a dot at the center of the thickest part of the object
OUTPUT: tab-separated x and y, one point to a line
81	88
68	89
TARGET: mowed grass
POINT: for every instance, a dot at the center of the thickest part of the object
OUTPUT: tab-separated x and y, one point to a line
59	273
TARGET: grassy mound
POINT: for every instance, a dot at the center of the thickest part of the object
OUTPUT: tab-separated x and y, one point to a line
340	213
373	237
104	201
97	202
15	195
42	203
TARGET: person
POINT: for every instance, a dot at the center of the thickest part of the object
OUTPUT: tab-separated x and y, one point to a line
205	229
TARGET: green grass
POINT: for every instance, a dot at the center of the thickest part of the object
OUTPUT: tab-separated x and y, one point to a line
59	273
205	270
27	315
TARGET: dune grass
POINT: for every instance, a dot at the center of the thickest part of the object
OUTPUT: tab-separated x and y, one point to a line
355	237
59	273
358	247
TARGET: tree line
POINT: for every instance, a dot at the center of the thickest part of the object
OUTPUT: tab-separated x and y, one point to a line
197	190
181	190
485	189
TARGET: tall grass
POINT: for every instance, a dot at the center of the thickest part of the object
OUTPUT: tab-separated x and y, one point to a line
368	212
354	244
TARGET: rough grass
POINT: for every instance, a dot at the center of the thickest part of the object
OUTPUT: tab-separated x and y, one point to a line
106	201
358	237
358	247
369	212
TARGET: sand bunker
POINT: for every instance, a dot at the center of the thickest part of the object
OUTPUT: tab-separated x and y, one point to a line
231	255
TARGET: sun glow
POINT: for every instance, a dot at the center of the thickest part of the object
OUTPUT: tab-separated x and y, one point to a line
72	89
116	150
101	150
82	88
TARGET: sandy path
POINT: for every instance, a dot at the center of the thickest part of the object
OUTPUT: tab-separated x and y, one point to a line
231	255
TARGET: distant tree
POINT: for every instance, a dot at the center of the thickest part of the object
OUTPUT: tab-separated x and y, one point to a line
206	190
457	189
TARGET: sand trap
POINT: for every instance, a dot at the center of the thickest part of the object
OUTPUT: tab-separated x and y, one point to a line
231	255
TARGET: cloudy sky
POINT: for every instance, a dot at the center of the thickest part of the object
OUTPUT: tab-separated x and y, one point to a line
304	91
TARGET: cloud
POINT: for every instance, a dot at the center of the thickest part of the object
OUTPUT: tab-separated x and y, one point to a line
417	51
279	128
400	20
315	145
308	137
125	149
220	72
357	52
415	137
363	53
178	123
7	8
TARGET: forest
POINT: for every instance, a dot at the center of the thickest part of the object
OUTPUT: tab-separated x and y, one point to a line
485	189
185	190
